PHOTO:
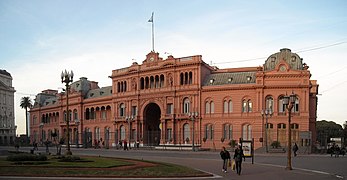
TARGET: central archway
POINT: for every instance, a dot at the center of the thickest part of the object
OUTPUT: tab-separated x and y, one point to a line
151	132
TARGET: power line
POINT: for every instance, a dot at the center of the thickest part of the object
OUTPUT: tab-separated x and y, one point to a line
299	51
334	86
322	47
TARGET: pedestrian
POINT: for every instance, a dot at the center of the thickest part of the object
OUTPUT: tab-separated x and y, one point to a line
125	145
47	144
16	144
238	158
35	145
225	155
295	149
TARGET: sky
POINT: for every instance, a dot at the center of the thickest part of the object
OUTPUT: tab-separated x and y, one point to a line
39	39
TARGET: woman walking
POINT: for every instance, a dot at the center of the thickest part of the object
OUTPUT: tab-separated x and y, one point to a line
238	159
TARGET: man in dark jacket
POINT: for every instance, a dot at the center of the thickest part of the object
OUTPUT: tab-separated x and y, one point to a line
225	155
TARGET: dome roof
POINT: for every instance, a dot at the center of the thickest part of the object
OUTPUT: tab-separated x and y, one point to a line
285	54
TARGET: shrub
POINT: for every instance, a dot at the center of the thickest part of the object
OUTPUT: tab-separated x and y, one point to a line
276	144
69	158
26	157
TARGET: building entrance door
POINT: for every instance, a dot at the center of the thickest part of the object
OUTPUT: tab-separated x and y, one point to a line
151	130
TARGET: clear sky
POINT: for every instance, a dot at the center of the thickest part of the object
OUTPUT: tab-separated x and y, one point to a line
39	39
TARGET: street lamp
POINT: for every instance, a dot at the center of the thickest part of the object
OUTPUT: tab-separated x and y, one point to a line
289	101
193	116
77	122
129	119
267	113
41	127
67	77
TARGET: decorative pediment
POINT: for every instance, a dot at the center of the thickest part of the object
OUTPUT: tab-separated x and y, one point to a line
152	59
282	66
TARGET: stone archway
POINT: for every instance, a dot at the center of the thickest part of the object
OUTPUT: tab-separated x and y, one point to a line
151	130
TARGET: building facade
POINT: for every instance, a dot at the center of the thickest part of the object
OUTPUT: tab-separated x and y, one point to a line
7	118
185	103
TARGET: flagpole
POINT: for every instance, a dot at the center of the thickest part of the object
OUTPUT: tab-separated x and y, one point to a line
152	21
152	34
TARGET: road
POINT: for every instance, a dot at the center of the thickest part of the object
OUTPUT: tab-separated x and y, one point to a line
266	166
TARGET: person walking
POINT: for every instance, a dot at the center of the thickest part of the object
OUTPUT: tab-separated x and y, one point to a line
238	158
225	155
295	149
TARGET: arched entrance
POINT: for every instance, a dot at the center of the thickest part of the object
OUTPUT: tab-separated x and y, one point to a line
151	130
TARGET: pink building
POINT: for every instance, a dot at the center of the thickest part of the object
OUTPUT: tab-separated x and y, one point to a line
184	102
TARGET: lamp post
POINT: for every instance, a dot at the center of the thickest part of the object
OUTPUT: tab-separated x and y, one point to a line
67	77
129	119
289	101
267	113
41	127
193	116
77	122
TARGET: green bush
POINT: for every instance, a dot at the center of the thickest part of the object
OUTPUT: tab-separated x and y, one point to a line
69	158
26	157
276	144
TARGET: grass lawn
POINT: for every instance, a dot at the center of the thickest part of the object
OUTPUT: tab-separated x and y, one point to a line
90	166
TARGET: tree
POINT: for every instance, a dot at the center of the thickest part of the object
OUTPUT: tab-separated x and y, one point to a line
327	130
26	103
345	132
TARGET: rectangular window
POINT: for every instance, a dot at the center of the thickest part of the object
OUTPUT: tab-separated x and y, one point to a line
122	110
103	114
230	132
134	110
169	135
169	109
225	131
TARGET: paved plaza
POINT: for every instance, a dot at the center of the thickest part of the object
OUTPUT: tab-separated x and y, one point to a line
266	166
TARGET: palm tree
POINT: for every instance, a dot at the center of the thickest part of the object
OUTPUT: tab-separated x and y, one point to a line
26	103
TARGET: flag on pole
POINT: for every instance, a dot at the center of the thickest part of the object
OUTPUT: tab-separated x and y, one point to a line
151	19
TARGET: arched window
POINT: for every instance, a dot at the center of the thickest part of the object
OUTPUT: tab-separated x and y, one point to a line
185	78
227	132
250	106
157	81
122	132
75	115
125	86
225	107
247	132
209	131
162	80
212	107
97	133
244	106
190	78
186	106
296	105
151	85
186	133
207	108
142	83
281	106
147	83
92	113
